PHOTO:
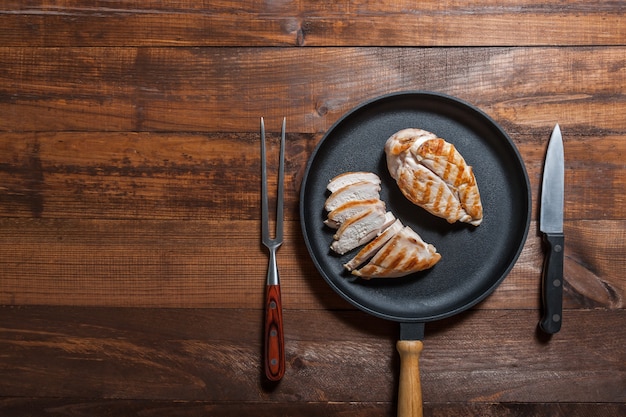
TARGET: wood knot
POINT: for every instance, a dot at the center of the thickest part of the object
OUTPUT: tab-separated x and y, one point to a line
300	37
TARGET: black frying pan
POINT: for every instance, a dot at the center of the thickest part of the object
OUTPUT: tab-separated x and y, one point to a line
474	259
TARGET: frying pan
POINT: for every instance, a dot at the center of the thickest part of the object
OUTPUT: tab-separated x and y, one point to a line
474	260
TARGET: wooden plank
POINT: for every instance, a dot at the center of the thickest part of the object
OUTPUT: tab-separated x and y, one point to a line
524	409
215	90
121	408
199	176
129	175
398	23
200	264
160	263
212	355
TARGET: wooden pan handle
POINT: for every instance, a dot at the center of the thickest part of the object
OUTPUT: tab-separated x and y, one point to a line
410	389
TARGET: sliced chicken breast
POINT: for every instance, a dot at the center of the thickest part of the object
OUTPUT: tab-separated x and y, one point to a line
404	254
362	190
360	229
372	247
342	213
348	178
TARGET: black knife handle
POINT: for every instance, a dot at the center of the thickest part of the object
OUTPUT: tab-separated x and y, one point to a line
552	284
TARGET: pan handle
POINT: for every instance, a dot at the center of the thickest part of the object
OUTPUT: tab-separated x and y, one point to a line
410	389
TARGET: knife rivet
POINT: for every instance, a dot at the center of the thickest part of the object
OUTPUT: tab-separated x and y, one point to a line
273	333
557	248
556	282
272	304
556	317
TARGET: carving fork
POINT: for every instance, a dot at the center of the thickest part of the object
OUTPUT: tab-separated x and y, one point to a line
274	351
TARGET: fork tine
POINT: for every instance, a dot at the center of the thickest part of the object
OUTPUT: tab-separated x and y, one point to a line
281	186
265	222
264	197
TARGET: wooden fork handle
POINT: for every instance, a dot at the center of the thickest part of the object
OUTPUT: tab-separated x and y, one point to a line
274	338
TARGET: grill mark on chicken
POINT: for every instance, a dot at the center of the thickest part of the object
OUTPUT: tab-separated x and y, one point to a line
438	196
460	178
396	261
427	189
447	168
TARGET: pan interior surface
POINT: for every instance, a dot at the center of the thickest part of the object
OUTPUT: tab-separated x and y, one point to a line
474	259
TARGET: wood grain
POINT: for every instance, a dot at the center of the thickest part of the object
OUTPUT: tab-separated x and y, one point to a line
216	90
310	23
184	264
191	176
146	218
131	271
215	355
122	408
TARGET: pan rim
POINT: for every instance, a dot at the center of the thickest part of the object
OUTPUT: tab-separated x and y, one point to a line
478	113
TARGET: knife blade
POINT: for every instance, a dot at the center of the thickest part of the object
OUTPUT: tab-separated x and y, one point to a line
551	225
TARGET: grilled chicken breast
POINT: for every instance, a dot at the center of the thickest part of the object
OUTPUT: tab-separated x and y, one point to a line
404	254
432	174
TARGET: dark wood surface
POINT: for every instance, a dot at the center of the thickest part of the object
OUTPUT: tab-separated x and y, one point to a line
131	269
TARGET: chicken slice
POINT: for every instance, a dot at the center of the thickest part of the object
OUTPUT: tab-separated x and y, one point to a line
362	190
371	248
404	254
349	209
360	229
432	174
348	178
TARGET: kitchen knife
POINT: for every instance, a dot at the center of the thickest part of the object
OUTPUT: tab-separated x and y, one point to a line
551	225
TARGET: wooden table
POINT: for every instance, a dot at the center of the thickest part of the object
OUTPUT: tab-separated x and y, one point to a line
131	269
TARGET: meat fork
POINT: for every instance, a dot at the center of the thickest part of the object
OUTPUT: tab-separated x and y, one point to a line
274	356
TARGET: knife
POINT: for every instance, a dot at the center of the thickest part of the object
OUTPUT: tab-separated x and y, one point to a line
551	225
